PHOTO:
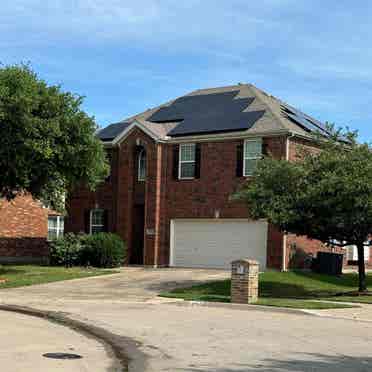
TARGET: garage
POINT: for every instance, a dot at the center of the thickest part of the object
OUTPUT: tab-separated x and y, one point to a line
215	243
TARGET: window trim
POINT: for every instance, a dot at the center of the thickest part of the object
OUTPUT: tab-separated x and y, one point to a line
180	161
91	219
59	231
139	158
250	157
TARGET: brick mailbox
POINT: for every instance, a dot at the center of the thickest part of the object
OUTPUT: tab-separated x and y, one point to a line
244	281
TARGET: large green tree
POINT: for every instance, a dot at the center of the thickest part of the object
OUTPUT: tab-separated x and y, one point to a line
47	142
325	195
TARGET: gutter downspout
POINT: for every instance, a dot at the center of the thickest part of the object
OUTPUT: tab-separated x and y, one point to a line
284	254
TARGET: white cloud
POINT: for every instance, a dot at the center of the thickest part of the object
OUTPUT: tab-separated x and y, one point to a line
154	22
357	70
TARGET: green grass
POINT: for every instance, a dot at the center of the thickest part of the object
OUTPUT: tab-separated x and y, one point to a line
289	289
23	275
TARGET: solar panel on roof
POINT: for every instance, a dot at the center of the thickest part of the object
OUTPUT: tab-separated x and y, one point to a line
319	124
111	131
304	120
206	113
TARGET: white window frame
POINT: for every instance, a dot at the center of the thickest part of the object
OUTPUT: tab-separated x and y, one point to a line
250	157
59	231
139	175
180	161
91	220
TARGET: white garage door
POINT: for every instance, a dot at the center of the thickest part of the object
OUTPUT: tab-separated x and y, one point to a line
215	243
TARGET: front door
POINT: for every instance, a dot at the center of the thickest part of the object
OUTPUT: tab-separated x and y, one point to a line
136	255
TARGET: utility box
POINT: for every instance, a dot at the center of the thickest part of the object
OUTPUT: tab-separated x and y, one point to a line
328	263
244	281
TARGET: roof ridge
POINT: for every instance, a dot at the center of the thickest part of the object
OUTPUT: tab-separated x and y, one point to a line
259	94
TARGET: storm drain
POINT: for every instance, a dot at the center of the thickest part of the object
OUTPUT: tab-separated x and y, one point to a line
62	356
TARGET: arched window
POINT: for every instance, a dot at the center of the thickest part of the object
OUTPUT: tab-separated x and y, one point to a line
142	165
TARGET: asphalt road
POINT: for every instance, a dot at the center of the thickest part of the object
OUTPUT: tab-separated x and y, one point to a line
176	337
24	340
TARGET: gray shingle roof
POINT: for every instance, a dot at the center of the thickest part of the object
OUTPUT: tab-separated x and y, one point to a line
243	108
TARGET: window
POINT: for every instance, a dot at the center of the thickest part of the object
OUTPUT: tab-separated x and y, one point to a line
55	227
141	176
187	161
252	153
97	221
109	161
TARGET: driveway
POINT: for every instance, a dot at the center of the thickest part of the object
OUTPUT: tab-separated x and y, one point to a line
131	284
178	336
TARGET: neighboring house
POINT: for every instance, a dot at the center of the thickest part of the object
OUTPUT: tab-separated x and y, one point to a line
25	227
174	168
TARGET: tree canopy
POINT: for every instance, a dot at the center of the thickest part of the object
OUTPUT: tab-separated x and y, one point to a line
325	195
47	142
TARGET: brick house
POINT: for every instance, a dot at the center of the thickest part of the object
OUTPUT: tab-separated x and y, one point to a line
25	228
173	169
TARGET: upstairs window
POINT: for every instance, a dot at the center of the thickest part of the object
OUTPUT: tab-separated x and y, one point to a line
141	171
97	221
109	161
186	168
55	227
252	154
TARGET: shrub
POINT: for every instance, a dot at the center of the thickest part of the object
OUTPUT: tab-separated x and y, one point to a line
103	250
66	250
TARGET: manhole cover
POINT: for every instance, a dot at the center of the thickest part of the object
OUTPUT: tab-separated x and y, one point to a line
62	356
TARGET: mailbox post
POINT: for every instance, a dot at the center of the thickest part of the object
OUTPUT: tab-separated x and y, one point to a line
244	281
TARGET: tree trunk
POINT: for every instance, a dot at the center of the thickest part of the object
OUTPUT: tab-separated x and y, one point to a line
361	268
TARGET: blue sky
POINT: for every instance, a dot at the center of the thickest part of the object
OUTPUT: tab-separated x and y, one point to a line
127	56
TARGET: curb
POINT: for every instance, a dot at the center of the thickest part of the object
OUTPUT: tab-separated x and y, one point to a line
263	308
117	347
337	317
242	307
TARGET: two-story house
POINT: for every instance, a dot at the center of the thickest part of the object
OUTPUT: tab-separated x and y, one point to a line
174	168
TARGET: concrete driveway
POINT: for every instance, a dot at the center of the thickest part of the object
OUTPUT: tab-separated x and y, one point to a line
176	336
131	284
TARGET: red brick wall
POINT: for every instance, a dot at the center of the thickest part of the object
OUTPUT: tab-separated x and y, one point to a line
23	229
299	249
167	198
117	195
200	198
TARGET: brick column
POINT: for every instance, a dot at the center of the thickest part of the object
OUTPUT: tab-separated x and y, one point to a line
244	281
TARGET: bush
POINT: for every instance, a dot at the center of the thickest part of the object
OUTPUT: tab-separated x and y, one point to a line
103	250
66	250
98	250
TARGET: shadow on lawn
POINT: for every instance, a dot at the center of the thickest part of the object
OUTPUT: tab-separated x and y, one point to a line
305	284
287	290
214	287
304	362
4	270
346	280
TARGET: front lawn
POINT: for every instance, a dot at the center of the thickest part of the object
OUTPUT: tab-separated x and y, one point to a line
22	275
288	289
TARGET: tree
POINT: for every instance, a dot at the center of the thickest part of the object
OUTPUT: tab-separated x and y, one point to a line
325	195
47	142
